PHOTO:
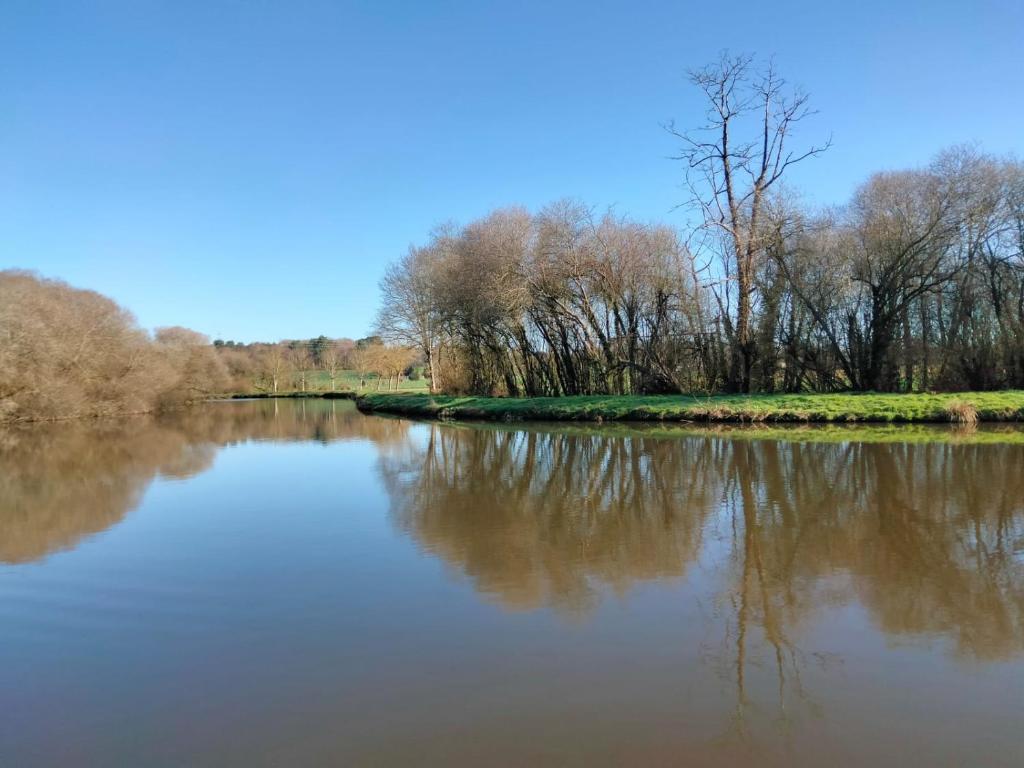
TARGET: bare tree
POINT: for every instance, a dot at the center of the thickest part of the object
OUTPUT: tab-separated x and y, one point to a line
732	161
200	370
275	364
409	312
363	360
301	361
66	352
331	360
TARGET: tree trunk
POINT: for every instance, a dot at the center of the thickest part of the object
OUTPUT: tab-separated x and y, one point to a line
430	370
742	355
908	357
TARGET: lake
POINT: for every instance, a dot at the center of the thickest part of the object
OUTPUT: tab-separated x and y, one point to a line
290	582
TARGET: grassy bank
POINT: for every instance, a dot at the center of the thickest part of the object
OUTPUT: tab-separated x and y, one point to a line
845	407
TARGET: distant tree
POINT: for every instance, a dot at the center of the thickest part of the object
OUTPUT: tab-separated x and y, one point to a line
275	363
200	371
301	361
317	347
409	312
245	368
363	360
331	360
345	347
395	362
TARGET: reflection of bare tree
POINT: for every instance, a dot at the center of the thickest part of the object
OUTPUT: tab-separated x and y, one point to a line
925	533
322	421
779	548
948	558
926	536
538	518
59	483
62	482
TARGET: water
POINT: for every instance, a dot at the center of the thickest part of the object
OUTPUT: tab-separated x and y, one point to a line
294	583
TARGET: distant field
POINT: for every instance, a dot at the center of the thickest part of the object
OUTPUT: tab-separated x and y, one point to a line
349	380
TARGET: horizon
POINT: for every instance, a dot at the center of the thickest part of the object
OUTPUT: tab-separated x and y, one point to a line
250	172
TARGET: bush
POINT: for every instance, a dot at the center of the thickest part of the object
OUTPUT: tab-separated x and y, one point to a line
66	352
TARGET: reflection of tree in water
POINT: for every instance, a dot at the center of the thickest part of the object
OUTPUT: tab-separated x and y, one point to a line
928	537
285	420
926	533
61	482
923	535
539	519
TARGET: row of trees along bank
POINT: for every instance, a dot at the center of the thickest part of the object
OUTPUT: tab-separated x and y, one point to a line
66	352
916	283
317	364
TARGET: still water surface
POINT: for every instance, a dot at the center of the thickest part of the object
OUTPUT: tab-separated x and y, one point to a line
294	583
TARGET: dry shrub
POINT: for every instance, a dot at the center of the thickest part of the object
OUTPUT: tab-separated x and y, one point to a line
961	412
455	373
66	352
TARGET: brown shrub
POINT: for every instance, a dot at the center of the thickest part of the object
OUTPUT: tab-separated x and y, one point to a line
66	352
961	412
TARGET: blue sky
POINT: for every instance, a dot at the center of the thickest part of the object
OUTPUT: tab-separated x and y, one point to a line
248	169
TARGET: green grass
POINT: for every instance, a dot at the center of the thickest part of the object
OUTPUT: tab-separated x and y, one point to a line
832	408
318	382
349	381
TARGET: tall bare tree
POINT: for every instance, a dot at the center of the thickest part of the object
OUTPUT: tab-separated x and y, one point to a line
300	358
331	362
732	161
409	312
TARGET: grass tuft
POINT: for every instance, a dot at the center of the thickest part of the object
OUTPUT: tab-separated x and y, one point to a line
961	412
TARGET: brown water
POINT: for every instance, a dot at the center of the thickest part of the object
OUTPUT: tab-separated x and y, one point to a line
293	583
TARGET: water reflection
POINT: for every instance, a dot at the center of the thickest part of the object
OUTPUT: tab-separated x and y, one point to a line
621	595
929	537
537	519
62	482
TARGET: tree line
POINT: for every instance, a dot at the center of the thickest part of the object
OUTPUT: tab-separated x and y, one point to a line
307	365
916	283
66	353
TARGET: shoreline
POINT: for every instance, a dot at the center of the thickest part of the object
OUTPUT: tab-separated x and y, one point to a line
341	395
842	408
331	395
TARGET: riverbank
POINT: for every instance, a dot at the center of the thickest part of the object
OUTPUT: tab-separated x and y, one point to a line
960	407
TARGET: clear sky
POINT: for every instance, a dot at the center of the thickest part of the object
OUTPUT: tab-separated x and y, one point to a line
248	169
